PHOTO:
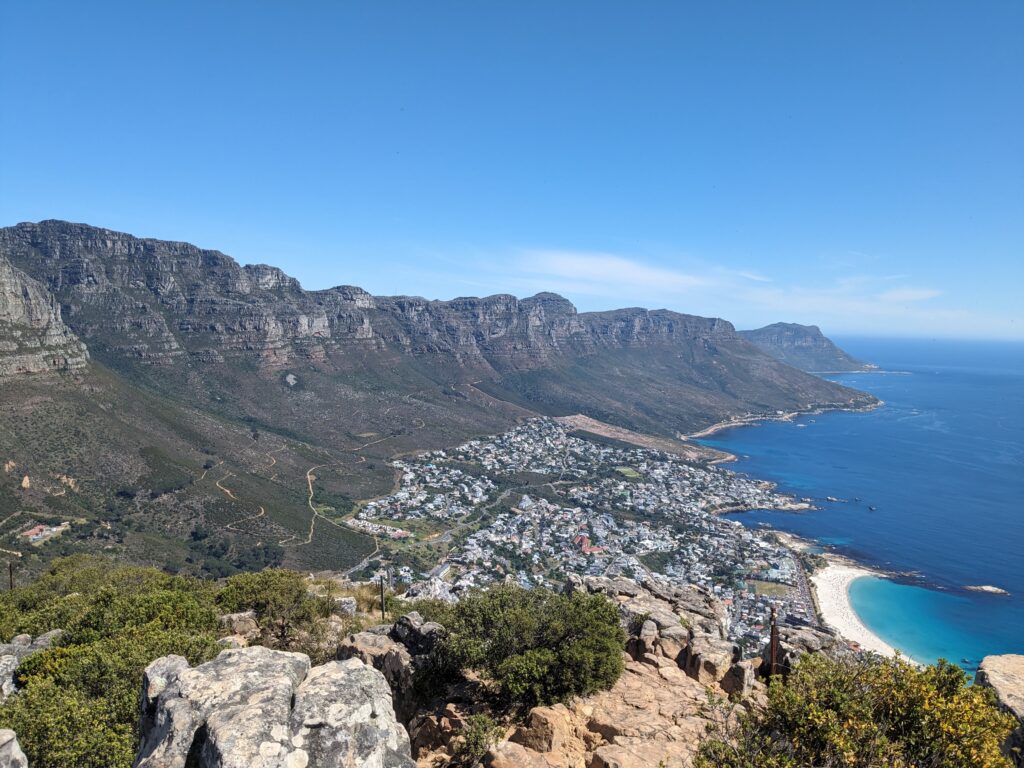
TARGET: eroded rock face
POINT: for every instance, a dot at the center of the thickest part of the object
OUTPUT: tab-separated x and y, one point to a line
259	708
393	651
1005	675
796	641
33	338
654	715
11	755
667	605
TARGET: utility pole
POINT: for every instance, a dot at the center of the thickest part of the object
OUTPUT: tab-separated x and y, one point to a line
774	643
382	597
10	574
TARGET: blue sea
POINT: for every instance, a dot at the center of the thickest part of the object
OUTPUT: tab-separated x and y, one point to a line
942	464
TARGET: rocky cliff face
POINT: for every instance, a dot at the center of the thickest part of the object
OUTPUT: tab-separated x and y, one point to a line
33	338
149	304
157	301
804	347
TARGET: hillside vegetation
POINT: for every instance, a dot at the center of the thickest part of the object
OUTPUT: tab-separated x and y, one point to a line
77	702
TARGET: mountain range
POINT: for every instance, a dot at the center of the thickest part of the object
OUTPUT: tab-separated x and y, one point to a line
170	403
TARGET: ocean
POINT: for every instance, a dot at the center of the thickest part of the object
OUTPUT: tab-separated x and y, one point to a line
931	486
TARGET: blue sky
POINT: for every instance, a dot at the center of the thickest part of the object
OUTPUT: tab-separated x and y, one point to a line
858	165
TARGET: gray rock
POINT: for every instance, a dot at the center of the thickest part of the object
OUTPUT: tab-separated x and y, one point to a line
11	755
345	606
12	654
1005	675
243	624
740	678
794	642
389	657
417	635
8	666
258	708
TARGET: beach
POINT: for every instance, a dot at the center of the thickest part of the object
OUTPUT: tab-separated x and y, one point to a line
831	587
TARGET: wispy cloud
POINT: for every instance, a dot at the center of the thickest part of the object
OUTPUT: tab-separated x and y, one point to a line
603	274
857	300
904	295
757	278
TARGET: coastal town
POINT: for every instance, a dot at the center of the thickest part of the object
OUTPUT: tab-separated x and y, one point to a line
540	502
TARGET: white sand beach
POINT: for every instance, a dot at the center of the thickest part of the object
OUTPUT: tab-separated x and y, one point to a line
831	587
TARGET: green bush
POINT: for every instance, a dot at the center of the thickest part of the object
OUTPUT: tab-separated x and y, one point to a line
537	646
865	713
479	733
279	597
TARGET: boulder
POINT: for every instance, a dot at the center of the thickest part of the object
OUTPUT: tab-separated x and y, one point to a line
740	678
345	606
508	754
8	666
548	729
708	659
1005	675
11	755
417	635
669	606
259	708
391	659
243	624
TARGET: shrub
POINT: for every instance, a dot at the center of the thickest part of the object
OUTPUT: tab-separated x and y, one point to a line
537	646
479	733
277	595
865	713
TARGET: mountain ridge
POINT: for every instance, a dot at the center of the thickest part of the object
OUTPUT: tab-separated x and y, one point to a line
299	398
804	347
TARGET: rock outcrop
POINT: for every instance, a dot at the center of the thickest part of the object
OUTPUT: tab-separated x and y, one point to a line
796	641
683	625
33	338
1005	675
655	715
11	755
395	650
804	347
259	708
12	653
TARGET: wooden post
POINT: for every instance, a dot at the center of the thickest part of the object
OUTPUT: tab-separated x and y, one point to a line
774	643
382	597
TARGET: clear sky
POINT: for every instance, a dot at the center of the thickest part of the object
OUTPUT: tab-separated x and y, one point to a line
859	165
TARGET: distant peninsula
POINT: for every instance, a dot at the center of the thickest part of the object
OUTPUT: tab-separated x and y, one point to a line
804	347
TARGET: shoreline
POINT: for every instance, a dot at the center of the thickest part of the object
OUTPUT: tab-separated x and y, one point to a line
830	588
832	594
748	421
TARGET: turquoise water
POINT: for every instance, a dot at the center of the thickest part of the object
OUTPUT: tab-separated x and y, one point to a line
942	463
